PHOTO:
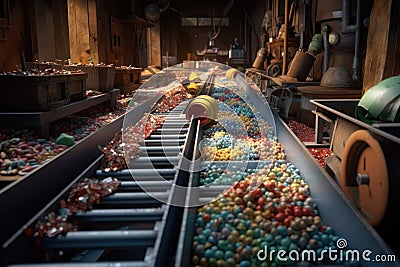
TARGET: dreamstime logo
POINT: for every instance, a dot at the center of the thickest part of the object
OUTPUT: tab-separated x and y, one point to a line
340	253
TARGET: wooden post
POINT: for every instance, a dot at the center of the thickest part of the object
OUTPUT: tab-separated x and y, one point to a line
45	30
30	7
383	49
154	45
78	28
93	36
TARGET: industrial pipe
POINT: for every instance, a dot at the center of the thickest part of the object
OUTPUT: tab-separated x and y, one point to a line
302	23
285	40
349	28
325	34
346	17
356	60
291	12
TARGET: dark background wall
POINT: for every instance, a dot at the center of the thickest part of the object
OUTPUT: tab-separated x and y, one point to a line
39	29
245	19
17	37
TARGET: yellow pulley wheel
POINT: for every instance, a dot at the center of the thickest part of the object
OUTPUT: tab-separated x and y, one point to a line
364	176
203	107
231	73
193	89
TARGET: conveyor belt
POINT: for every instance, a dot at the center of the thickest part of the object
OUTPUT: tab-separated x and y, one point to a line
334	209
131	223
131	228
208	85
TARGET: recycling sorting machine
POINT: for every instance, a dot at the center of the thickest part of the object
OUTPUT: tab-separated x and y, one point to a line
152	219
364	160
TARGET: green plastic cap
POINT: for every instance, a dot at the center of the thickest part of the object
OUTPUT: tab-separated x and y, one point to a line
65	139
381	103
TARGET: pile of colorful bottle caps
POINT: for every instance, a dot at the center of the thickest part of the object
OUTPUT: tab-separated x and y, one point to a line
126	143
223	147
320	154
172	98
21	151
302	131
239	134
37	72
82	196
114	152
82	124
307	134
267	207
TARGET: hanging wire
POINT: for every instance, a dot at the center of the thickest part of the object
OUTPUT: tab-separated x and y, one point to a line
225	14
